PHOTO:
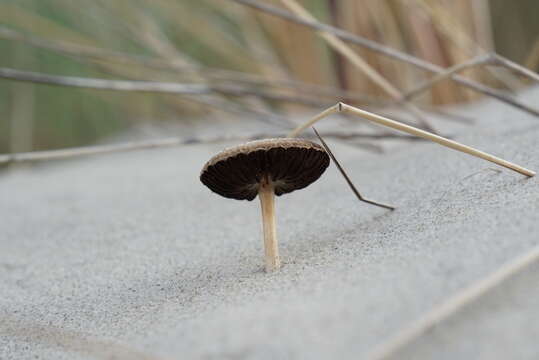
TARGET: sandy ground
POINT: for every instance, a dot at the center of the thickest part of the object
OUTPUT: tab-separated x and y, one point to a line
129	256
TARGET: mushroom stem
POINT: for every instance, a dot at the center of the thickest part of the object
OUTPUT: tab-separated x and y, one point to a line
266	194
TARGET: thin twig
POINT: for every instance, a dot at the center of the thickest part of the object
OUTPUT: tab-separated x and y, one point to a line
532	60
380	120
89	150
171	142
348	181
191	90
356	60
444	21
343	34
145	86
453	305
78	50
435	138
385	50
500	60
230	107
479	60
99	54
105	84
491	59
102	58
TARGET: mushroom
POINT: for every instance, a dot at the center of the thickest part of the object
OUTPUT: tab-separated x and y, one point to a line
265	168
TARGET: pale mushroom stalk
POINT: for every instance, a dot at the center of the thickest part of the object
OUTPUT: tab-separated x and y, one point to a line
265	168
266	193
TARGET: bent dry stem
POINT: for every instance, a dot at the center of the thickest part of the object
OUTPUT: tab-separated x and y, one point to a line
266	193
341	107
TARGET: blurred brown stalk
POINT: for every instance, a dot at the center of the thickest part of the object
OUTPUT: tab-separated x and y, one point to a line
221	44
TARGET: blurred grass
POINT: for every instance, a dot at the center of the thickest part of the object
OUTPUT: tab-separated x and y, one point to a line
223	35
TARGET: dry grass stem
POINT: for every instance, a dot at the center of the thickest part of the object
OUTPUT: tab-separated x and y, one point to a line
94	54
532	60
98	55
340	107
491	59
347	178
191	91
36	156
146	86
452	29
452	305
339	45
385	50
480	60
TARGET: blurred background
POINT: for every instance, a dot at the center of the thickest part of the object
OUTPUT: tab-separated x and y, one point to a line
273	66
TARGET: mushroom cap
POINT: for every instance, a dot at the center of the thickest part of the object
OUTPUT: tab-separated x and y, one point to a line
289	163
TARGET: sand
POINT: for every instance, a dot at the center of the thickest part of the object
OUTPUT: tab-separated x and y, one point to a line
129	256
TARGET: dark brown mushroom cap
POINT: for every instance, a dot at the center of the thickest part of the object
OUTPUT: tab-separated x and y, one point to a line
290	164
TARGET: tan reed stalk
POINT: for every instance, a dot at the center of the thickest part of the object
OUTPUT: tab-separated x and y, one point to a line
380	120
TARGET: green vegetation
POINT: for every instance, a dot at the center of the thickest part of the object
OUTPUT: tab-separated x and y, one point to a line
191	36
